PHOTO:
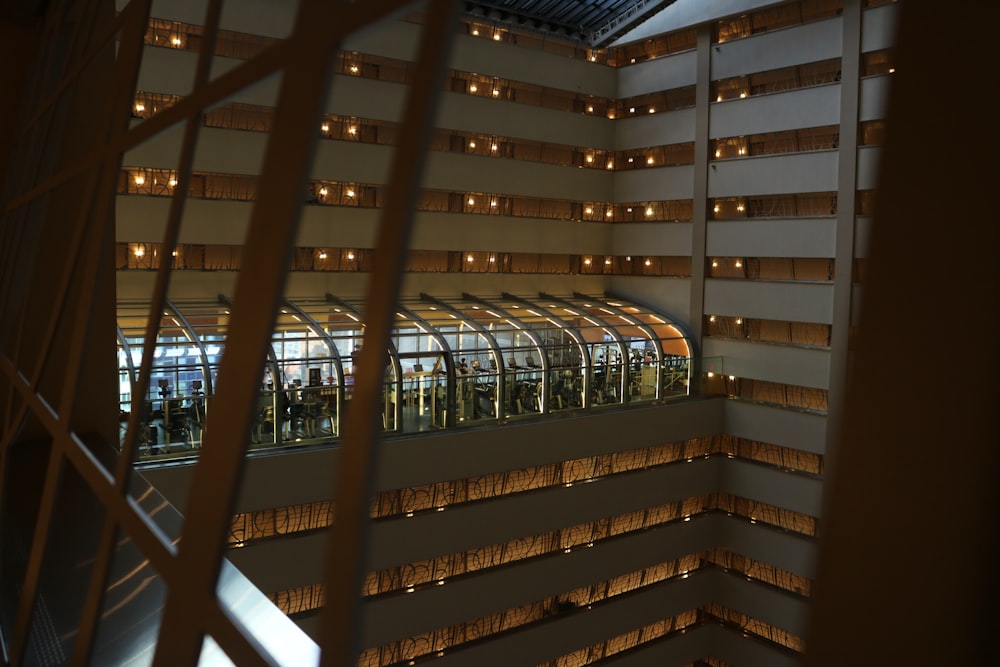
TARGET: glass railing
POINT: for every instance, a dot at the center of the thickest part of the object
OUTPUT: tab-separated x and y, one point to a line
175	426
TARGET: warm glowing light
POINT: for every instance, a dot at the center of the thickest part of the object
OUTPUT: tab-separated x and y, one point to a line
175	40
323	191
496	37
475	33
739	207
470	258
649	211
631	109
739	320
607	261
350	254
711	374
492	259
493	203
325	127
892	70
593	59
650	160
742	151
172	182
588	210
139	251
716	208
139	179
496	92
322	254
611	114
719	98
648	261
350	193
718	152
472	88
471	201
493	147
590	158
715	263
608	213
140	107
590	109
352	130
631	160
652	110
743	94
610	164
354	69
472	144
586	260
711	318
739	264
732	377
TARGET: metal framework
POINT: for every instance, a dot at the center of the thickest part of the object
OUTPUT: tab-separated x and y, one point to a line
87	48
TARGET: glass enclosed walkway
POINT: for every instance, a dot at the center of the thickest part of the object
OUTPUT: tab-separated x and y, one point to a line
454	362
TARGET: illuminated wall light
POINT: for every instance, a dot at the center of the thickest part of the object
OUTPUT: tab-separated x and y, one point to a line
323	191
470	201
470	258
475	33
892	70
172	182
350	193
325	127
743	94
711	318
588	210
473	88
590	158
607	261
732	377
715	263
742	151
173	253
139	251
354	69
631	160
496	37
472	144
610	164
649	211
719	98
739	320
649	262
608	213
739	264
611	114
631	109
650	160
628	210
140	179
652	109
140	107
586	261
496	92
175	40
718	152
593	58
494	147
590	109
632	62
716	208
493	259
350	255
711	374
322	254
739	207
352	130
493	203
628	258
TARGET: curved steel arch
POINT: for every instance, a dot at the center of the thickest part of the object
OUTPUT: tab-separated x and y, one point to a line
196	340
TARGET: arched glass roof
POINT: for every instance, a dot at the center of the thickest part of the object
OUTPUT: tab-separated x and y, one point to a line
453	362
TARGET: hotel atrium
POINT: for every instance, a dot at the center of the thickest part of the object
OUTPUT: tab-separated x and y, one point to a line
476	333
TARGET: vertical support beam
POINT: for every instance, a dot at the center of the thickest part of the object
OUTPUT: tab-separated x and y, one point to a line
847	171
699	232
348	544
909	527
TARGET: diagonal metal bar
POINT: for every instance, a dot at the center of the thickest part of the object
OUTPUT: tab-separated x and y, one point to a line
347	545
95	595
258	296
